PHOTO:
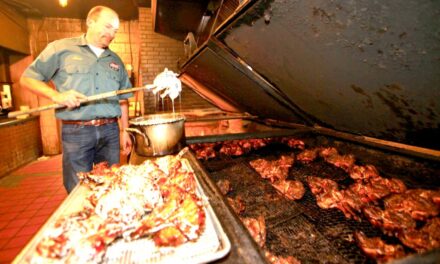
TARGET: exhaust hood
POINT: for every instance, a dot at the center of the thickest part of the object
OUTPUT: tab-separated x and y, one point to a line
363	67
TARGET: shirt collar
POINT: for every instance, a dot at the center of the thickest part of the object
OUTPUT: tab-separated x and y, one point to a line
83	42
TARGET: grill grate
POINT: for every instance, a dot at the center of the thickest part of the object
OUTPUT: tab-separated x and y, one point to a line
301	228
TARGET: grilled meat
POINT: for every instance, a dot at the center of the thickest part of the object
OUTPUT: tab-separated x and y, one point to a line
274	170
231	148
363	172
394	185
308	155
293	190
237	204
169	236
344	162
224	186
377	249
327	152
182	211
328	196
319	185
204	151
433	195
391	222
326	192
419	207
369	192
331	156
257	229
426	238
293	143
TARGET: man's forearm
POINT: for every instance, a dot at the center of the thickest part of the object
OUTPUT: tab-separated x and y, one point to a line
69	98
124	114
38	87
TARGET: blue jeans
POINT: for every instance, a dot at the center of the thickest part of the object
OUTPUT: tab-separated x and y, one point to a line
84	146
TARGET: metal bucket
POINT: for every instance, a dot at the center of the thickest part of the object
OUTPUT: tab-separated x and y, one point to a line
158	134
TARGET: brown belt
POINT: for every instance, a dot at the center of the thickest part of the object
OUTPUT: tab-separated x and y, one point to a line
93	122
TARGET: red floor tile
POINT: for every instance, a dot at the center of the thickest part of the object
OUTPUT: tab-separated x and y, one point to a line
37	220
18	242
3	224
8	216
7	255
8	233
29	230
27	214
45	211
17	223
3	242
28	197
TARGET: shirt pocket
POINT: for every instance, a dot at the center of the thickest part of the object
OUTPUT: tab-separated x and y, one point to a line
78	78
113	81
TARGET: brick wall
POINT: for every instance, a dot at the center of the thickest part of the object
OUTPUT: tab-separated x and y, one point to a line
159	52
20	144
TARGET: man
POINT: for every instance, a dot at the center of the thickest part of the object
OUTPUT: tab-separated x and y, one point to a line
81	67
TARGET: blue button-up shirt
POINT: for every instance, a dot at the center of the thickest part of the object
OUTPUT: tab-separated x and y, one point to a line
71	64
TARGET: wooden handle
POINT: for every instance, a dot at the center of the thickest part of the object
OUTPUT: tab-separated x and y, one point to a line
86	100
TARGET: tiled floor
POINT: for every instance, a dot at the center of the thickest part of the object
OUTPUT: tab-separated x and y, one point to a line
28	196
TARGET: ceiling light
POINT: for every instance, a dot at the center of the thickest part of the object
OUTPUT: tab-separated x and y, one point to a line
63	3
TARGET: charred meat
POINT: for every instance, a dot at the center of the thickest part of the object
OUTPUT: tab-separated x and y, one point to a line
273	170
377	249
257	229
237	204
293	190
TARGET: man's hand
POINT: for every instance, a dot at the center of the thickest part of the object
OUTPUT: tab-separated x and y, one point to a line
71	98
126	143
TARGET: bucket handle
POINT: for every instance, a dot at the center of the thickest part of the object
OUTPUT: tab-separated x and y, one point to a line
136	131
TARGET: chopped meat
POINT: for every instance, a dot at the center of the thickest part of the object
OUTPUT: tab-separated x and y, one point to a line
224	186
280	260
293	190
307	156
274	170
237	204
427	238
377	249
257	229
363	172
169	236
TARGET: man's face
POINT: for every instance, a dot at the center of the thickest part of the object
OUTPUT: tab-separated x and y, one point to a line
102	30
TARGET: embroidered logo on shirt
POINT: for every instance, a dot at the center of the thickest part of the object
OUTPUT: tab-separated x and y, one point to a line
114	66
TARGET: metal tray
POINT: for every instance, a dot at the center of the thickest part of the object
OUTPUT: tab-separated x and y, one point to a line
213	244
